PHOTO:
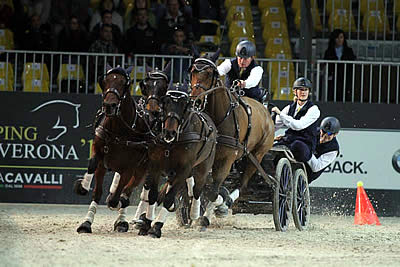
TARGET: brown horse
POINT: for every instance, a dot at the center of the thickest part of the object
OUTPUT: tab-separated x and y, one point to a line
186	147
119	145
244	127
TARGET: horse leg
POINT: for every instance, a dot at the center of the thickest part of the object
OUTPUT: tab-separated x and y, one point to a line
148	217
86	226
82	186
142	207
169	204
115	200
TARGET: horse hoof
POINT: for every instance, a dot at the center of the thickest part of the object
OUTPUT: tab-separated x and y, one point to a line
144	225
112	205
78	189
85	227
221	211
121	227
203	221
155	231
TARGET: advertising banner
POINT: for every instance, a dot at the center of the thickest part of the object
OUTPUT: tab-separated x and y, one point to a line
44	145
371	156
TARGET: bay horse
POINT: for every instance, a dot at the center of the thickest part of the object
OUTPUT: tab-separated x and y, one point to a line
245	128
185	147
119	145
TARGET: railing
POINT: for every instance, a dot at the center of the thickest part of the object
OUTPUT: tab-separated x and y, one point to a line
42	71
358	81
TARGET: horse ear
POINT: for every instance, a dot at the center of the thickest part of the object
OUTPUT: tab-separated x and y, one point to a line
129	70
167	69
216	55
148	68
171	84
196	53
108	67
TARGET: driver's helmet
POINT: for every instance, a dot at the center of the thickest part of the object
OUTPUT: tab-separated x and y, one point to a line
330	125
302	82
245	49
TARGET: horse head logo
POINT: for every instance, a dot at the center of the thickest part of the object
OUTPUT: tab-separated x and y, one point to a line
60	125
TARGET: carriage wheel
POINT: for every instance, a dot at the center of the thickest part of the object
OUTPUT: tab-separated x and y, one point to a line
183	210
283	195
301	200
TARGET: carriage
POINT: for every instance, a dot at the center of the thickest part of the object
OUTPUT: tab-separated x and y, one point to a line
285	193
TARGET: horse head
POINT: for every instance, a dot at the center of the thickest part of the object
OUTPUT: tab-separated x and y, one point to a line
204	73
115	86
175	104
153	87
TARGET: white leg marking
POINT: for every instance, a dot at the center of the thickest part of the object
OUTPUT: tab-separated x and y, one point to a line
122	215
190	185
143	204
115	183
87	180
150	212
210	207
234	195
162	216
195	209
91	212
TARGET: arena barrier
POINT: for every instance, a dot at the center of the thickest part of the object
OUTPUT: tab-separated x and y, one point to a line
45	147
357	81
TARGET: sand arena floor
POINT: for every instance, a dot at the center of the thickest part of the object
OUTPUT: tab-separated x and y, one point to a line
45	235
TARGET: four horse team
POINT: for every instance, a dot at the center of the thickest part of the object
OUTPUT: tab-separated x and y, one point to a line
192	141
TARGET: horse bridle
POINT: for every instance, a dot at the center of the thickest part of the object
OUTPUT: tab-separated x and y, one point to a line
202	64
155	75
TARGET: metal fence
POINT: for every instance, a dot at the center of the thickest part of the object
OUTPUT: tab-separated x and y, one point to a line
41	71
357	81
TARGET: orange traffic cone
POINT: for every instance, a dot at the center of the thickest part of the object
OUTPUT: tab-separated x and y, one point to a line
365	213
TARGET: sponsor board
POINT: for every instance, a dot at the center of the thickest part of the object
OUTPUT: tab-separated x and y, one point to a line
370	156
44	144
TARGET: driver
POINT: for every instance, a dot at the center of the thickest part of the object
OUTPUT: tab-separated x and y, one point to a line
327	149
245	69
300	118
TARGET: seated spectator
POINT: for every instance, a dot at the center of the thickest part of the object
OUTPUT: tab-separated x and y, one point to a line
97	16
62	10
73	38
131	17
6	13
37	37
179	46
207	9
141	38
38	7
106	18
174	18
339	50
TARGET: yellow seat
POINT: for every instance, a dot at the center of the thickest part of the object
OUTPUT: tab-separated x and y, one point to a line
264	4
6	39
274	29
210	39
277	45
296	5
374	21
237	40
342	19
70	72
229	3
211	23
240	29
35	77
371	5
6	77
396	4
273	14
239	13
316	20
281	84
332	5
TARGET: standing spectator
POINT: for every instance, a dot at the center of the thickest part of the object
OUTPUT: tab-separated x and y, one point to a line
6	13
38	7
103	45
207	9
339	50
141	38
131	17
106	18
37	36
73	38
62	10
97	16
174	18
179	46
